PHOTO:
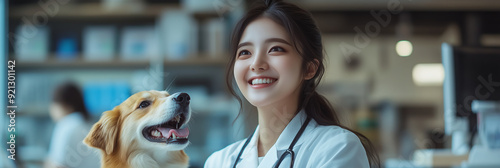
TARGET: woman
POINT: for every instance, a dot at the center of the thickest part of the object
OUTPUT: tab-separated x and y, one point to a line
71	116
277	63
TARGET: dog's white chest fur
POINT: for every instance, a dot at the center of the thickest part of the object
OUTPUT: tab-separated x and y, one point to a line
154	160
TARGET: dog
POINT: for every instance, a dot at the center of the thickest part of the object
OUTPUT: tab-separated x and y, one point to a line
148	130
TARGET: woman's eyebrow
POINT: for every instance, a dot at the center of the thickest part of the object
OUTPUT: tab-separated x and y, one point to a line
244	44
279	40
270	40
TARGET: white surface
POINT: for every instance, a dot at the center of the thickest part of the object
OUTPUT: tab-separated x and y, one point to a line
481	156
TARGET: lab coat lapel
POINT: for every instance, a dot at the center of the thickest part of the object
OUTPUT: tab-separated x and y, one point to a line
286	137
284	141
269	159
249	158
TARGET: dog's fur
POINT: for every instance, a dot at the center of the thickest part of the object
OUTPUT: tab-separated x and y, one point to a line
118	134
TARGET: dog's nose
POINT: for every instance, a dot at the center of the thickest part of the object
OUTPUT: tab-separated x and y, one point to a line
182	99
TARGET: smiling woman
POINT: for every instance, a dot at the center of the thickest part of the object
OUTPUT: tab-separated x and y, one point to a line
267	67
277	64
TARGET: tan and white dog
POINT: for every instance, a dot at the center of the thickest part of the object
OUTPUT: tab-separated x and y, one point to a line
148	130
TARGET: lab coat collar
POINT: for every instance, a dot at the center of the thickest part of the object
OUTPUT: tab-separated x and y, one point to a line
288	134
70	119
250	155
249	158
285	139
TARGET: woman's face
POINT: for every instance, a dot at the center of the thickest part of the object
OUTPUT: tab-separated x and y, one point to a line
267	67
57	111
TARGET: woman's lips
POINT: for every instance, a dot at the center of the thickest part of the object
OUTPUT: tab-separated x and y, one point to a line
261	82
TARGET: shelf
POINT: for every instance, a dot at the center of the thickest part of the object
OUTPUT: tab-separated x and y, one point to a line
79	63
201	59
33	114
94	10
422	5
197	62
206	14
99	11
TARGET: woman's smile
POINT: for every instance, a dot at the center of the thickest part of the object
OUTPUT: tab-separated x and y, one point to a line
261	82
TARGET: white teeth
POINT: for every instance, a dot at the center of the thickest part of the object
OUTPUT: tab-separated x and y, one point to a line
178	118
262	81
173	136
155	133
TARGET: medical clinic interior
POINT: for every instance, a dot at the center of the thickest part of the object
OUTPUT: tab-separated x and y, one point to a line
419	78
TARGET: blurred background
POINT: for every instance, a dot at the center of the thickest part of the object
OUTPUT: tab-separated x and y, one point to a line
385	72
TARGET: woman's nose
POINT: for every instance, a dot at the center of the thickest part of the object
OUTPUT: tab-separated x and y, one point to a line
259	63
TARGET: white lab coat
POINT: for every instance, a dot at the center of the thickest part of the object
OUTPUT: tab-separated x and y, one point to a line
67	148
318	147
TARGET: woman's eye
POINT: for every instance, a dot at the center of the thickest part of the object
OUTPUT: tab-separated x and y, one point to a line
244	52
277	49
144	104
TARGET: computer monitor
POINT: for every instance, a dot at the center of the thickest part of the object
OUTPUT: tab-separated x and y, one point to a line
471	73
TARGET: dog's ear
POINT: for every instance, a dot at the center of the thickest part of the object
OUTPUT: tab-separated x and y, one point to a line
104	133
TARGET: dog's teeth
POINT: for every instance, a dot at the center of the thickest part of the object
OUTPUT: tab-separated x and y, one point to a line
156	133
178	118
173	136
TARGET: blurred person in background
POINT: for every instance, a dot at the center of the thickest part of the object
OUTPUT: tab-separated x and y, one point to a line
71	118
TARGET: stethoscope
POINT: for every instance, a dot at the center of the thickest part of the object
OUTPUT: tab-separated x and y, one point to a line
289	151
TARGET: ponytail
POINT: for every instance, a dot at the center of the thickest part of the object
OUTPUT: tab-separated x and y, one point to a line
318	108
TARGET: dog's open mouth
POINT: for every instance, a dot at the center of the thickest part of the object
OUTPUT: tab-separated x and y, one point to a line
168	132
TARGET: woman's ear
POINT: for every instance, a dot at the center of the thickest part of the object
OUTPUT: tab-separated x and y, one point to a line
104	133
311	69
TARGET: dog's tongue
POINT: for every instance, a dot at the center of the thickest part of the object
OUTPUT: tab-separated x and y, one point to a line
167	132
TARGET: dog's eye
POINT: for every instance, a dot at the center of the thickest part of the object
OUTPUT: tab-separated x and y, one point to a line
144	104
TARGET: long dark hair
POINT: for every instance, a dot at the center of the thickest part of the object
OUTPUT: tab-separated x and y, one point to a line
68	94
306	38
